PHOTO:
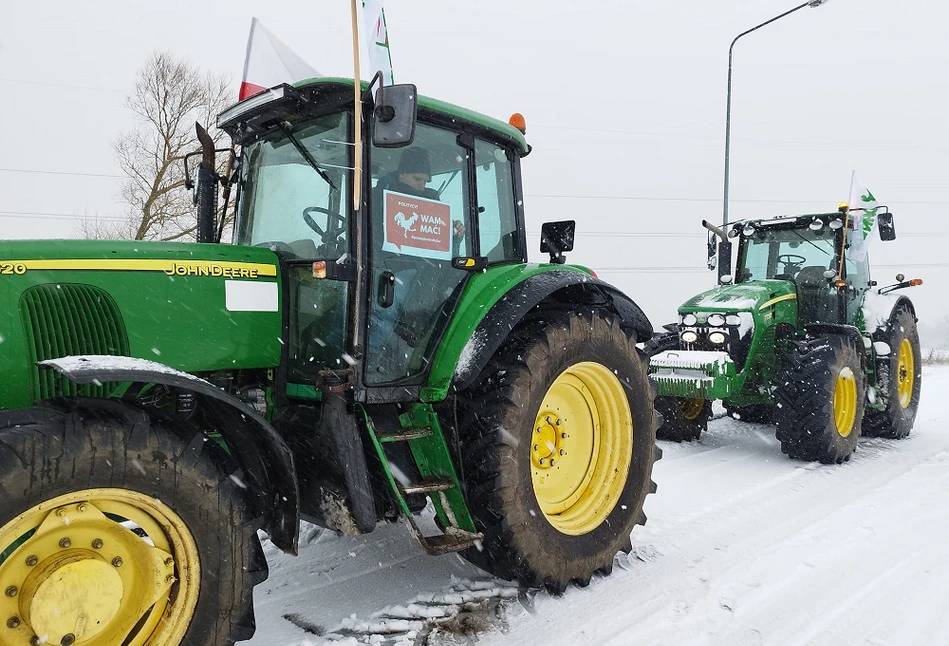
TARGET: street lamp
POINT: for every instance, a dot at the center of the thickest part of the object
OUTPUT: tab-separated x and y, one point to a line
728	109
725	251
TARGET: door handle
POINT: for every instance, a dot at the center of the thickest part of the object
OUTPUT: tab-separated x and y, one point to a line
386	293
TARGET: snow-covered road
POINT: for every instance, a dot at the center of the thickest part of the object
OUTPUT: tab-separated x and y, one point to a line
743	546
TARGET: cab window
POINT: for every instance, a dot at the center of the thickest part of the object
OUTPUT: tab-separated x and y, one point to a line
497	216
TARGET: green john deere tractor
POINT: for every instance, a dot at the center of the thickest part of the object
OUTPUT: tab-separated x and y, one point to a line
344	361
800	336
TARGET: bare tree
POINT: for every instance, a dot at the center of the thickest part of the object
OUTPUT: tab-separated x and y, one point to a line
170	95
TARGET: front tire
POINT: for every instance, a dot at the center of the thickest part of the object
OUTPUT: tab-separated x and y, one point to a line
821	392
904	381
683	420
558	442
120	528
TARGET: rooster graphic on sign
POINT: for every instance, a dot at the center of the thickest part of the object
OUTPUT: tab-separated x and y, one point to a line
405	223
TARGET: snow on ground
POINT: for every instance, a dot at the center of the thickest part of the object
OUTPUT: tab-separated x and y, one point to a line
743	546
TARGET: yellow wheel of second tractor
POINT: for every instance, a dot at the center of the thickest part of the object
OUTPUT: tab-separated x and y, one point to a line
821	395
559	437
99	566
901	375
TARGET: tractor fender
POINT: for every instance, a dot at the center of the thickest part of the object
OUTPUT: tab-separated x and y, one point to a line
559	287
849	331
883	326
252	441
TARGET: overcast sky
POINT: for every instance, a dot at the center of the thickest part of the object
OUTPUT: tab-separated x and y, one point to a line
624	100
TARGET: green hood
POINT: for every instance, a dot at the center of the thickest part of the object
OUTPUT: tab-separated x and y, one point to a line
744	297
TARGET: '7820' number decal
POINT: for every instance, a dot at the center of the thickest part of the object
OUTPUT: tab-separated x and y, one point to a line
10	268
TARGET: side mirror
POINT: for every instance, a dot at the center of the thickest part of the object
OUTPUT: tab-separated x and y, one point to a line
556	238
394	116
885	225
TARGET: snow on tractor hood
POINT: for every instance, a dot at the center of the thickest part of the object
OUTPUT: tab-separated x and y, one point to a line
743	297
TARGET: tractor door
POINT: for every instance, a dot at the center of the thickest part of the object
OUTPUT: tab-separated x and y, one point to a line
416	231
303	214
420	218
858	284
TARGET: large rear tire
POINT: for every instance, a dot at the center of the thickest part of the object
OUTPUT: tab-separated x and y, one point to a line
558	442
120	528
821	392
903	383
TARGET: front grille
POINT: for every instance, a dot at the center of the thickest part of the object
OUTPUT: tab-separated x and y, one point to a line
63	320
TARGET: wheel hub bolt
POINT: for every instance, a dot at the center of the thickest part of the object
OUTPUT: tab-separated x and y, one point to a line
562	452
563	435
32	560
551	462
13	622
82	510
117	561
60	512
558	421
538	429
537	447
35	641
68	640
11	591
64	543
542	460
169	561
97	544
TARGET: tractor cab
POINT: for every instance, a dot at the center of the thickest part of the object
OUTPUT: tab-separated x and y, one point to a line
806	251
370	290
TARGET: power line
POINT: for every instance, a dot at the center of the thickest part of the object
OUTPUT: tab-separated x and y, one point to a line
646	198
63	85
58	172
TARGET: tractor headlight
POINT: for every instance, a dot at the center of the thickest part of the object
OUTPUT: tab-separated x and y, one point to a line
732	319
689	336
689	319
718	338
716	320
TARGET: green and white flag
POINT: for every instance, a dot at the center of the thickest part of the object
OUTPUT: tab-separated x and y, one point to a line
863	221
377	40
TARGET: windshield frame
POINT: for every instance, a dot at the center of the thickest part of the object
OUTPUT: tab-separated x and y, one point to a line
339	190
797	224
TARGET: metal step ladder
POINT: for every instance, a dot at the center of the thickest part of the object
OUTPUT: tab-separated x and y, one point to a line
422	431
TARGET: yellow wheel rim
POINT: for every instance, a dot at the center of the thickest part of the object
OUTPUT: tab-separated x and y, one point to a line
99	567
691	408
906	373
581	448
845	402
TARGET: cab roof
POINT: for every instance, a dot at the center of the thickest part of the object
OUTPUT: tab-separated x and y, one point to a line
435	106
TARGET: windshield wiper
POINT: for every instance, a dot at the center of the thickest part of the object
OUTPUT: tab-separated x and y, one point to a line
810	242
305	154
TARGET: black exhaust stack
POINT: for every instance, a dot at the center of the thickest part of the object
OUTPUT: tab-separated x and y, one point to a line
206	197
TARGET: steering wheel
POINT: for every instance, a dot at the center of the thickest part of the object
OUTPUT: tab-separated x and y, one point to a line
310	222
791	261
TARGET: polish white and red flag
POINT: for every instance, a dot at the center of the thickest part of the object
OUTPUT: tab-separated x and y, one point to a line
270	62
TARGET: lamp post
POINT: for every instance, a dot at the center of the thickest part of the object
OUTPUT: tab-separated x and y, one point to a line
728	108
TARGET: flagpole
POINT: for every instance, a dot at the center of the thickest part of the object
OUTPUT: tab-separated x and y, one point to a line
357	114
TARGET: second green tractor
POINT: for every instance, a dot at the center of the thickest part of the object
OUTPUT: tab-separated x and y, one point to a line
799	336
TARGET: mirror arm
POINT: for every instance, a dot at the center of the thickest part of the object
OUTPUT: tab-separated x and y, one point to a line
367	94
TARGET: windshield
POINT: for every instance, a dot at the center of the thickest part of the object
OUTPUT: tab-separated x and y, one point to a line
773	252
295	205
